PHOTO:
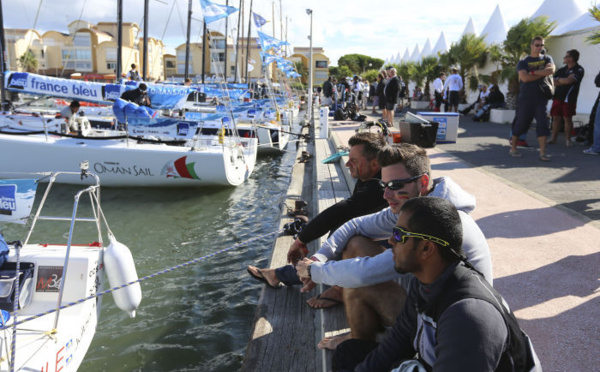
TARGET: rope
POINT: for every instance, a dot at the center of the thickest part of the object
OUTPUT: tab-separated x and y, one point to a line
168	270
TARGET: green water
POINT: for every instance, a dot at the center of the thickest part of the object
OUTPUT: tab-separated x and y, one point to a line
197	318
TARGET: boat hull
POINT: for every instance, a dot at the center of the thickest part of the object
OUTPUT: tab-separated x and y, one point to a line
125	163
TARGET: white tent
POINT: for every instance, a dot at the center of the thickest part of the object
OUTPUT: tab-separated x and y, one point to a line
406	55
560	11
496	29
416	55
583	22
426	52
398	58
440	46
469	28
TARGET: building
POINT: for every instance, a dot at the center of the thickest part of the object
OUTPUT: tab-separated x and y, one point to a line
321	63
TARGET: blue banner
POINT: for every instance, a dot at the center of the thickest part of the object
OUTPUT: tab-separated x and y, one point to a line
16	200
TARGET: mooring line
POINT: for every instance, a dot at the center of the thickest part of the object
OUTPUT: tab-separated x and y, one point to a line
139	280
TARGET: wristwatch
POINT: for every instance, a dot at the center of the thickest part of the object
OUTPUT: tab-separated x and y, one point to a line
308	271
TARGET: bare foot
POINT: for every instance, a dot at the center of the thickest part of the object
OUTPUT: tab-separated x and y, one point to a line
332	342
266	276
551	141
331	297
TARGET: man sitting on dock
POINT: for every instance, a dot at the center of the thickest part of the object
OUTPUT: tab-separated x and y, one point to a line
453	320
366	198
373	292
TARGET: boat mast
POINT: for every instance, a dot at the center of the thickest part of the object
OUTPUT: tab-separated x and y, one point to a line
145	55
248	43
119	40
237	41
203	47
226	33
187	40
2	58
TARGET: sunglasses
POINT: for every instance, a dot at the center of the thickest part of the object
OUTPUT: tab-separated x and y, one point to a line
396	185
538	45
400	235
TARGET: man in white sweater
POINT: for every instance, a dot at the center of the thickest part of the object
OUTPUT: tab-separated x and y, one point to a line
373	292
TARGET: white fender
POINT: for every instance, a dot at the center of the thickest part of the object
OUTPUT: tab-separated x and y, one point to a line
120	270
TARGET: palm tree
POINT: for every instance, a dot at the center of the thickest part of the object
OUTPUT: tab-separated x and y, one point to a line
431	70
302	70
28	61
515	47
469	54
595	37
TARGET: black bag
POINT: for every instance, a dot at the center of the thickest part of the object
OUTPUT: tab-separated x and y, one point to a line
546	85
340	114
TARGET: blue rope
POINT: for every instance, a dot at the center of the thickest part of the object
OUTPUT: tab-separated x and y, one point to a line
168	270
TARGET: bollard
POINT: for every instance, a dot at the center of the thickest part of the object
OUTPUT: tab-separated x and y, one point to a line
324	122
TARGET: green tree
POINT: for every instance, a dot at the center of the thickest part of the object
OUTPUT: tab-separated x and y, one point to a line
302	70
515	47
406	70
468	54
359	63
594	38
28	61
431	69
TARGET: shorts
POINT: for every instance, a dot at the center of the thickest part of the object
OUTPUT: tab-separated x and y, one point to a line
526	112
564	109
390	106
381	103
453	98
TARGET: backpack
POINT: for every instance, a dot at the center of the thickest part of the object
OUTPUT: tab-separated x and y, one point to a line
340	114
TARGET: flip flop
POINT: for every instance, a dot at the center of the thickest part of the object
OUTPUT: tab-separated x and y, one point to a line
515	154
335	157
544	158
261	278
332	300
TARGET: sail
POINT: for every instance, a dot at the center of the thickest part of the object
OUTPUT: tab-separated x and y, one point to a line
16	200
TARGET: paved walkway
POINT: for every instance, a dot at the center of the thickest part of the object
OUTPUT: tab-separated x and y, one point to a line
542	222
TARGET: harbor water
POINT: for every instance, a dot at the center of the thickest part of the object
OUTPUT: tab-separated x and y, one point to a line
199	317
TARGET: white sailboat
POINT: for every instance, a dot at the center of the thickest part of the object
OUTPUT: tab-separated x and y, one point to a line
51	308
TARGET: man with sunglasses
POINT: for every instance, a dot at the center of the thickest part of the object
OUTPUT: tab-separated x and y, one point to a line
373	292
453	319
532	101
366	198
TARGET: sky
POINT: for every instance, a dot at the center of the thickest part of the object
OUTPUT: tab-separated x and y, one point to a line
377	28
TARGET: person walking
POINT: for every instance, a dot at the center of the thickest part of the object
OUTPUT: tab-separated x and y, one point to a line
532	101
454	83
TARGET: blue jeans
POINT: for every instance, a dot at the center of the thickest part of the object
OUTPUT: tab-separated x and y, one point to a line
287	275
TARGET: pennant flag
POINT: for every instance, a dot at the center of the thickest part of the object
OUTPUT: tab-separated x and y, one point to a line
213	12
267	58
258	20
267	42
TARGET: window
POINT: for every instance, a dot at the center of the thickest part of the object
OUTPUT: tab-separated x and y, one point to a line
111	66
219	57
82	39
111	54
321	64
181	68
219	44
170	64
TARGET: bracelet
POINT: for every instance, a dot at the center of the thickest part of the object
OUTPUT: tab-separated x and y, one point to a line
308	271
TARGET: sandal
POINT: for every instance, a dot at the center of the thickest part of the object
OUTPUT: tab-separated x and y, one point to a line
515	153
544	158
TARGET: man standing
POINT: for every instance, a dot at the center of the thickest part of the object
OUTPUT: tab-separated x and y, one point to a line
391	91
453	319
532	101
366	198
566	80
454	83
327	92
133	74
438	91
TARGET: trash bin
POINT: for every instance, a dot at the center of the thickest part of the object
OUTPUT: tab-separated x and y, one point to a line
418	131
448	127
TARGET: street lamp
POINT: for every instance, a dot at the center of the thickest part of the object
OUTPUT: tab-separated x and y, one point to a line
310	69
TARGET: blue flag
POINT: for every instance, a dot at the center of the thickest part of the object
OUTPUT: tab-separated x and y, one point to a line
258	20
213	12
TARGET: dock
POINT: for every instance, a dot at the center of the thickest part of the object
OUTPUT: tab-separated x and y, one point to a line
545	251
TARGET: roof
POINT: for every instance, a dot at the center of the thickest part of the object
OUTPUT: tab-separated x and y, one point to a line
440	46
416	55
406	55
426	52
583	22
469	28
560	11
496	29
